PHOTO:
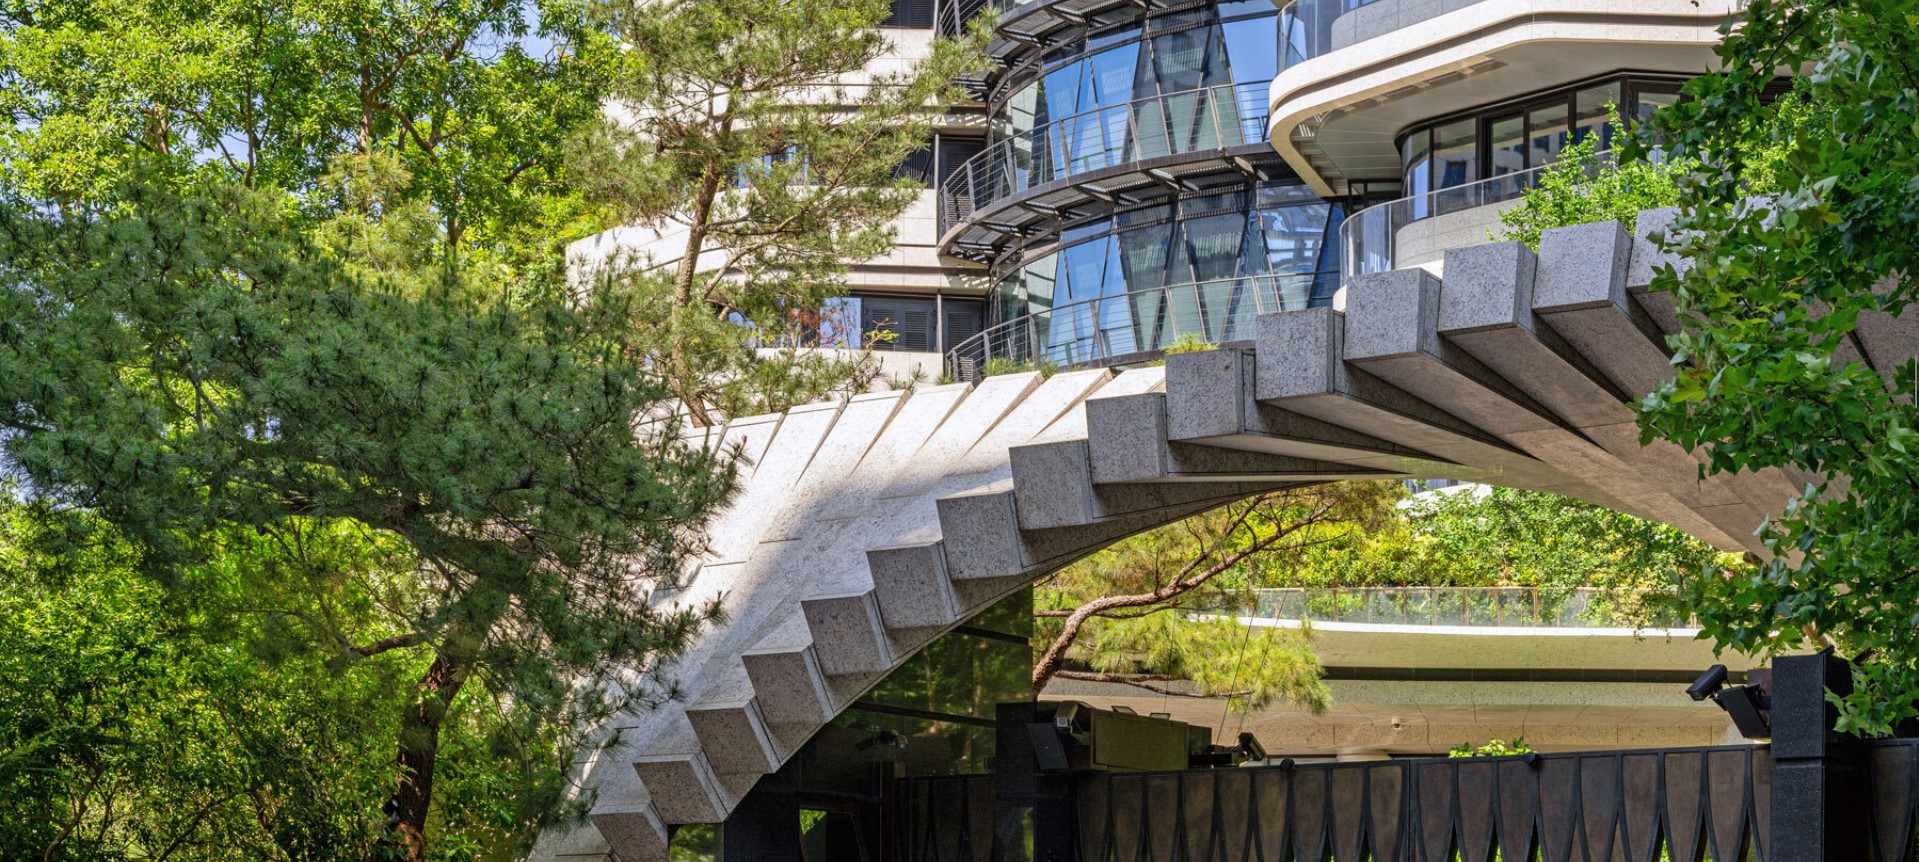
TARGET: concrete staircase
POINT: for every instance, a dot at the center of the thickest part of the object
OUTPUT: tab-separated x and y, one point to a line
869	527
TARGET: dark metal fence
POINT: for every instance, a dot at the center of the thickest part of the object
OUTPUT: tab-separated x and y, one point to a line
1811	794
1587	807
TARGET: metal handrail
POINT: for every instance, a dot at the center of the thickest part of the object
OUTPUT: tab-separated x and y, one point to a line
1525	607
1128	324
1369	241
1173	124
956	14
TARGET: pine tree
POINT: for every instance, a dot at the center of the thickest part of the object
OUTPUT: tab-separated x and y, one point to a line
736	137
193	371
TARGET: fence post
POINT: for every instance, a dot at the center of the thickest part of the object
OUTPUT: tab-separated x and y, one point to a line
1820	805
1019	787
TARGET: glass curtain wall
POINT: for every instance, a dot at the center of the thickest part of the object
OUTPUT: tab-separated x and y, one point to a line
1211	252
1089	89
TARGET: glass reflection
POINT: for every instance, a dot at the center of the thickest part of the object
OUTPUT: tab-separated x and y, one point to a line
1224	264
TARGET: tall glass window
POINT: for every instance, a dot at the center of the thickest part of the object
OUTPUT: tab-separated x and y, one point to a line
1506	141
1589	117
1455	161
1547	132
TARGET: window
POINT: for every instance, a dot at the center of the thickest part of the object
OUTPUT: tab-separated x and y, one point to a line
1455	161
910	13
1590	113
1547	131
917	324
955	151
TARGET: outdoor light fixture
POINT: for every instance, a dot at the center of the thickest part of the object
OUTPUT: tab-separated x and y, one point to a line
1708	683
1749	706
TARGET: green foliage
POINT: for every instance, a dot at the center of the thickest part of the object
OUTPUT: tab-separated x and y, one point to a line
1188	342
764	180
1772	288
998	365
426	132
1148	607
249	417
137	718
1499	537
1492	748
1135	612
1586	185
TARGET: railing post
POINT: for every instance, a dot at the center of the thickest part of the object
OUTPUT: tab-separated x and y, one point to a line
1019	786
1820	804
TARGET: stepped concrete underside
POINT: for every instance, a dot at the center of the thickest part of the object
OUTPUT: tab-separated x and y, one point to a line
867	528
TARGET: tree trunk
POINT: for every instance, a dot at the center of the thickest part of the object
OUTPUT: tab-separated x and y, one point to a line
683	298
419	751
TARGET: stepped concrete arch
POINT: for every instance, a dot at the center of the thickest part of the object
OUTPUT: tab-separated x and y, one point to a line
867	528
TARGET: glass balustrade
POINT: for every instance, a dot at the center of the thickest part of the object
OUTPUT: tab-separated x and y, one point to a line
1511	607
1175	124
1374	239
1128	324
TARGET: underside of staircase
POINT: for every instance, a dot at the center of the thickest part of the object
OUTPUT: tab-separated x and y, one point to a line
867	528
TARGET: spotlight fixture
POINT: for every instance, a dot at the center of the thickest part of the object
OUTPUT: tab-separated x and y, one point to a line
1708	683
1749	706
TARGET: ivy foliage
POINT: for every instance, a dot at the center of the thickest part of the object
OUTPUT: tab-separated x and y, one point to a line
1776	288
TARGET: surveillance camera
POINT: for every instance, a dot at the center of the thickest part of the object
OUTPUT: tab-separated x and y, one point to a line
1708	683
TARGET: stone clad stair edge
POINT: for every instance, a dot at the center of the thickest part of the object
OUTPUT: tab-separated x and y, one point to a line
867	528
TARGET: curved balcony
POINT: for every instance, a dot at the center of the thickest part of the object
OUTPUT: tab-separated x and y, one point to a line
1418	230
1355	75
1478	607
1131	153
1136	326
1035	24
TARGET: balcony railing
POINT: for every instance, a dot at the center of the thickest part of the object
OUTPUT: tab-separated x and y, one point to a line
1129	324
1370	241
954	15
1521	607
1187	122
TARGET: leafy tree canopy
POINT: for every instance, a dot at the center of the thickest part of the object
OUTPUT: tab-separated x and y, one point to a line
1145	611
194	372
410	135
1774	288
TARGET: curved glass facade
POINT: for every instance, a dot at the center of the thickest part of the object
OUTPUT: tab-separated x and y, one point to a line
1279	229
1234	44
1198	250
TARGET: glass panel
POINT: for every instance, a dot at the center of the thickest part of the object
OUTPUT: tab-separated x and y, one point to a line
840	323
1547	132
1648	100
1085	273
1591	116
1114	316
1144	260
1455	162
1295	238
1111	75
1250	48
1415	153
1506	138
1213	243
1180	60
